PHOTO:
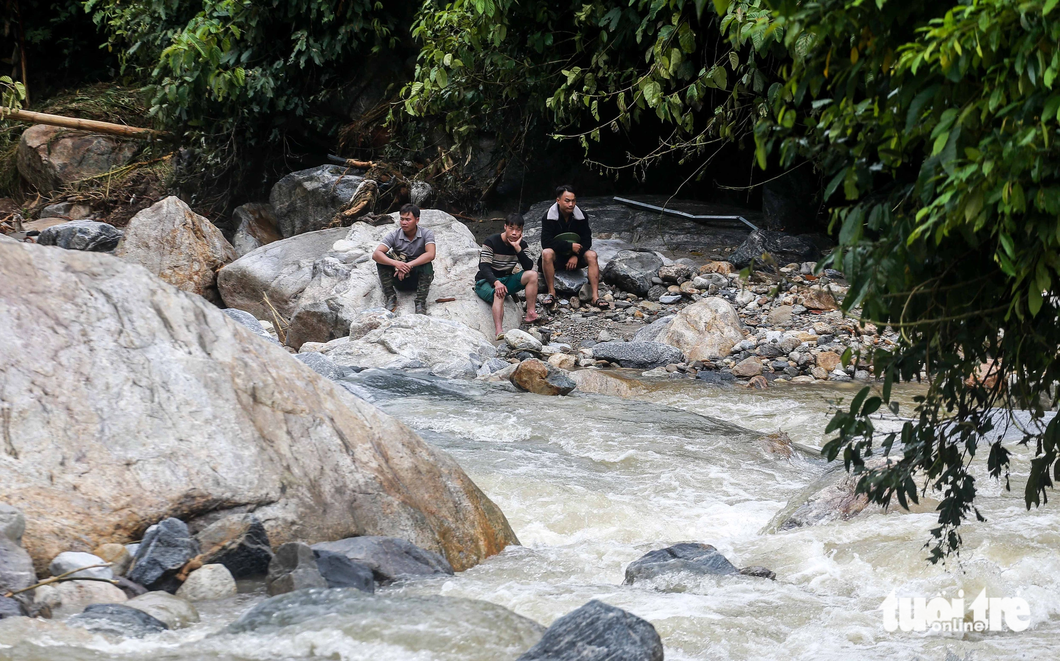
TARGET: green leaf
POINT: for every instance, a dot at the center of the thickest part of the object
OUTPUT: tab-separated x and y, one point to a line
1048	6
855	405
721	6
720	78
734	60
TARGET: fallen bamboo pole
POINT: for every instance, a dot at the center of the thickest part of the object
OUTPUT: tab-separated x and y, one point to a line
83	124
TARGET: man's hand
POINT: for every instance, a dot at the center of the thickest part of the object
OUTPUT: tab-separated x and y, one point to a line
516	244
499	290
402	268
572	263
577	248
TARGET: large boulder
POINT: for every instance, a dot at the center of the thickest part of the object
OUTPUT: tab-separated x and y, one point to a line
705	330
632	270
165	549
81	235
832	497
541	378
159	404
699	559
50	157
255	227
598	632
389	558
306	200
321	283
178	245
642	355
450	349
782	248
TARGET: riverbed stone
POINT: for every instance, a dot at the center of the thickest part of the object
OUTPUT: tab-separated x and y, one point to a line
50	157
306	200
570	283
632	270
747	368
832	497
639	355
238	542
540	378
81	235
68	561
780	315
705	330
189	413
208	583
12	523
175	612
828	360
389	558
563	361
178	245
818	298
117	620
341	572
521	340
675	272
16	567
598	632
74	596
255	227
164	550
117	555
293	567
10	607
695	558
652	331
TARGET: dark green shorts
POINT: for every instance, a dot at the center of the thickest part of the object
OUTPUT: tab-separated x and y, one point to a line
513	282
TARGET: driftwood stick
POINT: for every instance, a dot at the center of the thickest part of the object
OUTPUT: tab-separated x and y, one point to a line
65	577
83	124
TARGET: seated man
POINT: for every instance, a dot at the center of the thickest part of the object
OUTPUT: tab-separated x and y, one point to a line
406	254
496	280
565	244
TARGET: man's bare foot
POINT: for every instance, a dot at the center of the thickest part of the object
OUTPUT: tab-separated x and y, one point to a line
531	317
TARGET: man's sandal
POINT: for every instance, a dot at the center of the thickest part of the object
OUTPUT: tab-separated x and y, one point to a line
548	299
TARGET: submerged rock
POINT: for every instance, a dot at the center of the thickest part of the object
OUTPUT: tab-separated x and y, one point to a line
540	378
294	567
188	413
598	632
702	559
118	620
341	572
831	497
174	612
389	558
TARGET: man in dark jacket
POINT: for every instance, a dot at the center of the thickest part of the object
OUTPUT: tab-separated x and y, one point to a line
566	243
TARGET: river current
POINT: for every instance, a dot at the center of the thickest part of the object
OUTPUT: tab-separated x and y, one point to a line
589	483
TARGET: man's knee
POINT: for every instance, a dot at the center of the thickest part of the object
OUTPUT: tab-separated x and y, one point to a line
590	256
529	276
548	255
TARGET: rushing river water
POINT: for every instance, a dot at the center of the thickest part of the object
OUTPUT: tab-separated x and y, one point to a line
590	483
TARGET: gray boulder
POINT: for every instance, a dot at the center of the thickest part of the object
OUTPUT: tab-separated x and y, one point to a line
10	607
305	201
165	548
640	355
389	558
239	542
569	283
533	375
16	566
82	235
702	559
341	572
250	321
598	632
294	567
652	331
175	612
117	620
12	523
68	561
50	157
632	270
255	227
783	248
324	366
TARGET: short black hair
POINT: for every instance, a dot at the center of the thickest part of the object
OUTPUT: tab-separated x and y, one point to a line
515	220
411	208
565	188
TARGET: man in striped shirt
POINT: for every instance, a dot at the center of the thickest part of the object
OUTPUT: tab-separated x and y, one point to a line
496	278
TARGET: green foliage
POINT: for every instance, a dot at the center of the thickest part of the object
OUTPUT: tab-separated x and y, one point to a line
935	125
238	74
589	69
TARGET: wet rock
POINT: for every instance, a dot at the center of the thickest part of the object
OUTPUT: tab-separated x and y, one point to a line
640	355
783	248
224	446
570	283
68	561
81	235
117	555
74	596
819	373
294	567
701	559
705	330
208	583
117	620
306	200
521	340
759	572
598	632
178	245
747	368
540	378
831	497
255	227
389	558
174	612
50	157
165	548
563	361
758	382
341	572
10	607
632	271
